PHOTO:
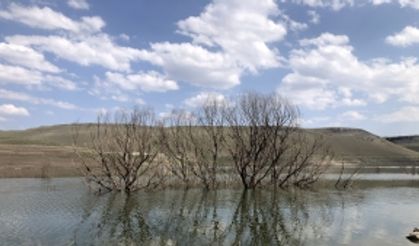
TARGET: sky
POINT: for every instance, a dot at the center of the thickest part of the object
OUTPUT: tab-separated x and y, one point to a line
344	63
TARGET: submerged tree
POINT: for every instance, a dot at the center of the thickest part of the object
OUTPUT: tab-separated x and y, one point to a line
176	144
207	140
193	142
257	134
264	140
123	151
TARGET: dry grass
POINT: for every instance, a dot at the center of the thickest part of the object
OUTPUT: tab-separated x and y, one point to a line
47	151
36	161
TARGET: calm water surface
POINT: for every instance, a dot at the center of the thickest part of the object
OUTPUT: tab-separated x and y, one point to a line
64	212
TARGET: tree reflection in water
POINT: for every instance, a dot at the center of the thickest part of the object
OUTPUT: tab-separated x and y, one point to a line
194	217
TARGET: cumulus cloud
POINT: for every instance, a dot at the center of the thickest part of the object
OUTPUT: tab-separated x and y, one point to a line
78	4
241	28
408	36
333	4
404	114
204	97
32	78
229	38
145	81
23	97
12	110
403	3
191	63
19	75
126	87
314	16
48	19
59	82
326	73
27	57
91	50
352	116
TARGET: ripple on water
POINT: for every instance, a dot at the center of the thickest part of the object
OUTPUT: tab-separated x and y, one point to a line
63	212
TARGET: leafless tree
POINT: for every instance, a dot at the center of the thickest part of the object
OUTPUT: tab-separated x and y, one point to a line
123	151
345	180
264	140
306	158
176	145
193	142
207	141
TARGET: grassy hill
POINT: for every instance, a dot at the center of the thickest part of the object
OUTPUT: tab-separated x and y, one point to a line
31	152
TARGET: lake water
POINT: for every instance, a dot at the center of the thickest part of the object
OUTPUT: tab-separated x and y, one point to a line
64	212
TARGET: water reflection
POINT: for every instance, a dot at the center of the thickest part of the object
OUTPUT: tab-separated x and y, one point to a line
63	212
193	217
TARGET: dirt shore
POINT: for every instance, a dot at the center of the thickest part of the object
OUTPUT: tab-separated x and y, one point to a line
34	161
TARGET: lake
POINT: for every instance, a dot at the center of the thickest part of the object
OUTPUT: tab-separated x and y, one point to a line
62	211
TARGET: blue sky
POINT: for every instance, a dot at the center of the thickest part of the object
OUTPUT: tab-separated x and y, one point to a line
343	62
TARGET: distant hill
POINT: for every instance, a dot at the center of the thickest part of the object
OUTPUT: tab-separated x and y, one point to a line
359	145
57	135
25	151
410	142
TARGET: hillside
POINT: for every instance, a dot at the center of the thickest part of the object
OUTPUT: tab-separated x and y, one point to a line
410	142
359	145
31	152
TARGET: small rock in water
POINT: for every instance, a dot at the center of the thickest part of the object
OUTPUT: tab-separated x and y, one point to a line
414	236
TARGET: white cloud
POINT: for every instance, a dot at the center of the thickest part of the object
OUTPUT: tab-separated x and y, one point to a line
315	121
379	2
310	92
325	39
19	96
408	36
314	16
19	75
196	65
409	3
48	19
32	78
326	73
404	114
229	38
148	81
292	24
25	56
403	3
90	50
204	97
333	4
59	82
12	110
125	88
78	4
352	116
241	28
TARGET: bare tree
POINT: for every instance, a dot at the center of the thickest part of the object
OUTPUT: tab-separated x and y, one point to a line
123	152
345	181
306	158
207	141
264	140
176	144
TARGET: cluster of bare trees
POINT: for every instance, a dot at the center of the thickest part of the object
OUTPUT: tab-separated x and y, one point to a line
122	152
254	137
